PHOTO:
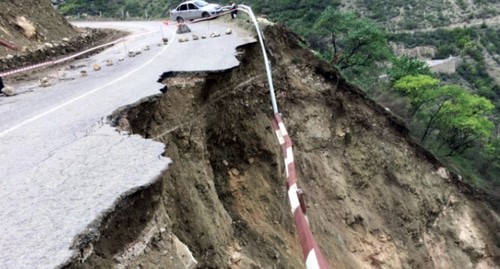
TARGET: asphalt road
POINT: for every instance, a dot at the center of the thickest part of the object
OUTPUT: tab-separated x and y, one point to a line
61	165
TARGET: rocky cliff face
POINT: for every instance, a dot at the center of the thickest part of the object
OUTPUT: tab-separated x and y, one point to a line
375	198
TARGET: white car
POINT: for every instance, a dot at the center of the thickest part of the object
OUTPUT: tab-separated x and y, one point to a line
194	9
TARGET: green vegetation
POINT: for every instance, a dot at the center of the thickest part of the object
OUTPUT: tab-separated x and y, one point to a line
356	44
404	66
470	44
418	89
458	41
451	121
118	8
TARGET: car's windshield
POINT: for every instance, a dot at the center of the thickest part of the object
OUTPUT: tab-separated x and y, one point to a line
200	3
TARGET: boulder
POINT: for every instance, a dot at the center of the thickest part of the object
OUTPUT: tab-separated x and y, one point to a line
182	29
44	82
8	91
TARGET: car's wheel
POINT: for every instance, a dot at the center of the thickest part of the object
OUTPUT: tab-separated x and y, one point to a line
180	20
205	15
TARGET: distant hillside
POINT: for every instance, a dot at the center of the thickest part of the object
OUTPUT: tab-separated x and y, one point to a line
393	15
116	8
415	14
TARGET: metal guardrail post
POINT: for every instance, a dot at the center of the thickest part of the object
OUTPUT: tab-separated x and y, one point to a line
314	259
249	11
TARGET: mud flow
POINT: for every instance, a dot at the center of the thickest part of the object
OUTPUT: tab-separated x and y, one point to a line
375	199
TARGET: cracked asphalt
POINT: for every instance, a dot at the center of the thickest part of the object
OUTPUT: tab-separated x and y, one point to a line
61	165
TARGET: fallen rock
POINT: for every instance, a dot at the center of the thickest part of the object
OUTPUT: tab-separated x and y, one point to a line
96	67
195	37
182	29
203	36
229	31
44	82
236	257
443	173
165	40
28	29
235	172
8	91
83	73
146	48
109	62
131	53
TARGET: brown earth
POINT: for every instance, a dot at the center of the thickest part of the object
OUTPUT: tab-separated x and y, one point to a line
375	198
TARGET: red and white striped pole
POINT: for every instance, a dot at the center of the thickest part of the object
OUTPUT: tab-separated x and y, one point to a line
312	254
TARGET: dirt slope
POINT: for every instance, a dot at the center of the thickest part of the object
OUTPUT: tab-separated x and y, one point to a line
41	34
375	198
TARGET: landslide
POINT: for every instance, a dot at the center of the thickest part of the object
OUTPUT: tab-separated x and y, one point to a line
375	198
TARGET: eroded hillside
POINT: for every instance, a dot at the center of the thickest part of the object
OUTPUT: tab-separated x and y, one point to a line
40	34
375	198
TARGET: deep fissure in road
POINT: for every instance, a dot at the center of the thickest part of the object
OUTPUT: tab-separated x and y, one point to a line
375	198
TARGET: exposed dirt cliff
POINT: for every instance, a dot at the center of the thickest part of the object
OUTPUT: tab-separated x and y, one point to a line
375	198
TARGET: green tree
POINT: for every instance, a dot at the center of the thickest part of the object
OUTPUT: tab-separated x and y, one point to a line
431	114
460	118
405	66
492	151
418	88
356	42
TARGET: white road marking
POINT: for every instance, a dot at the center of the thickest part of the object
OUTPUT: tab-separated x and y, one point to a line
83	95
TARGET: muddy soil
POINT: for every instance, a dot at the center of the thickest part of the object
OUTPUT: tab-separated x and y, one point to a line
375	198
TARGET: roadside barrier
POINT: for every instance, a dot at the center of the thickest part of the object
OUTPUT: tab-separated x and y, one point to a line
53	62
312	254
